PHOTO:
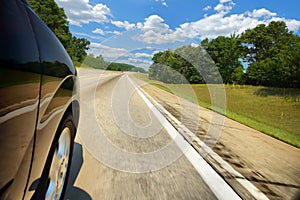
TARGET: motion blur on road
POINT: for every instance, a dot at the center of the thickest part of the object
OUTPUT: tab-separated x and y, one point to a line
124	152
126	149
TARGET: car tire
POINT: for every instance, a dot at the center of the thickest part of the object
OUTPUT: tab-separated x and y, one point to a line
54	180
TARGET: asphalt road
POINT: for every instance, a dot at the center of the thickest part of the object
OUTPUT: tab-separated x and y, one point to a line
125	150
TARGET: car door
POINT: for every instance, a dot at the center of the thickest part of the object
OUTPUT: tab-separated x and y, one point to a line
20	77
56	97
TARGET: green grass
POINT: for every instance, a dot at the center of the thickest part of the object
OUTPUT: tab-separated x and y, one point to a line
162	87
274	111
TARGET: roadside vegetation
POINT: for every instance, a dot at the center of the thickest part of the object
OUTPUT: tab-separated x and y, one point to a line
274	111
99	63
268	55
260	69
57	21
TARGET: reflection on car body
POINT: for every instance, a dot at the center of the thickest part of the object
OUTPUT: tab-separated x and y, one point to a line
38	91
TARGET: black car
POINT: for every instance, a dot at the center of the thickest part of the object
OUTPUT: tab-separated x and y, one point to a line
39	106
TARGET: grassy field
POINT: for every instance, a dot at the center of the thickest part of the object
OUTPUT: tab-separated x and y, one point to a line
274	111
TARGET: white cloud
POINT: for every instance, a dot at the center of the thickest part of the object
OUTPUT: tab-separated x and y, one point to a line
292	24
225	1
155	31
217	24
194	44
109	53
261	13
140	63
121	55
207	8
220	24
163	2
136	62
98	31
124	24
142	55
137	59
225	6
81	12
155	23
89	36
114	32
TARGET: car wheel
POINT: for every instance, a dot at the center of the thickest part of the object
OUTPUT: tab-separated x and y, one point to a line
56	172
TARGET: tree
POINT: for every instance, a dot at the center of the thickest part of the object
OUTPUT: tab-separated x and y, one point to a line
185	64
139	69
97	63
166	67
265	41
273	55
226	52
154	71
78	47
57	21
271	51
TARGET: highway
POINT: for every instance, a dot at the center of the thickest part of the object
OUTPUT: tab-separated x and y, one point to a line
125	149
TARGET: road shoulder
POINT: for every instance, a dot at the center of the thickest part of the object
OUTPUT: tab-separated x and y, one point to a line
269	164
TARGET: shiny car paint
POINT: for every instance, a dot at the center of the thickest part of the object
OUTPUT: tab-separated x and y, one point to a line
38	85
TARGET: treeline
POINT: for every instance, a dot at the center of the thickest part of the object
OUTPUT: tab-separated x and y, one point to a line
57	21
271	53
186	64
99	63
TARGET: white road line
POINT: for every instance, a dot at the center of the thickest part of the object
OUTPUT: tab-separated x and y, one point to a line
218	186
254	191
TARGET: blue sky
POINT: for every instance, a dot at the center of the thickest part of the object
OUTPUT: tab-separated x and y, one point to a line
131	31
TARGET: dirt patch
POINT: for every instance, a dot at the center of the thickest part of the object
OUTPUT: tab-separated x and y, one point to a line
271	165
